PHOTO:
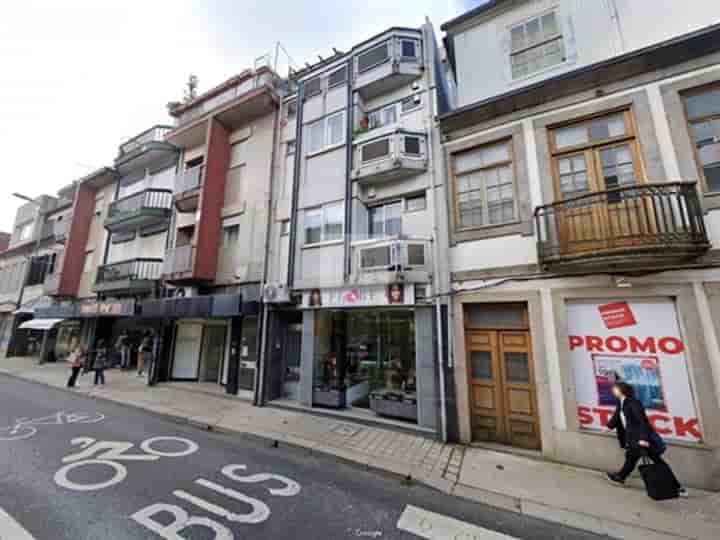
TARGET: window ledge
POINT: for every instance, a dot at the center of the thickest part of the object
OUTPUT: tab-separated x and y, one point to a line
323	244
324	150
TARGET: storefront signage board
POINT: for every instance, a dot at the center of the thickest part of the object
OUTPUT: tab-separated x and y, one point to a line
639	342
360	296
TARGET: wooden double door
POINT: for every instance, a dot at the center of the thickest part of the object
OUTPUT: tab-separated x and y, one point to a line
503	401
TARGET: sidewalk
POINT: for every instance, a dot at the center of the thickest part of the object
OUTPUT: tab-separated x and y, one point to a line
576	497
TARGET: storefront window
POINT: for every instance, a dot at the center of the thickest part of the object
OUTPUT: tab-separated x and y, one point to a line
366	359
68	338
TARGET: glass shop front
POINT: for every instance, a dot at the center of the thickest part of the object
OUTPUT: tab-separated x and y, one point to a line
366	359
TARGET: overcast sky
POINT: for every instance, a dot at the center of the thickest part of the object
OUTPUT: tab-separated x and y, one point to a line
77	77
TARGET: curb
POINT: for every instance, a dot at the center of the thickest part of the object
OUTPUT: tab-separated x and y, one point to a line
403	471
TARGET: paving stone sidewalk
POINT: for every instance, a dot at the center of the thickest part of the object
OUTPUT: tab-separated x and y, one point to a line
575	497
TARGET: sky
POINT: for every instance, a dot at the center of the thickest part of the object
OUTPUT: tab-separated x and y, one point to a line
79	77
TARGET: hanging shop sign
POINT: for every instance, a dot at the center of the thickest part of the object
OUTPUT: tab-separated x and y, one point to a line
637	342
366	295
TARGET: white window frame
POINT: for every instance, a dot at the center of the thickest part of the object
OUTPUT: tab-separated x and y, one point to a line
381	112
389	155
399	202
387	45
418	53
322	211
422	196
420	154
560	36
326	142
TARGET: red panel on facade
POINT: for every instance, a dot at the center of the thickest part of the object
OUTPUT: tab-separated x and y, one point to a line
74	257
209	229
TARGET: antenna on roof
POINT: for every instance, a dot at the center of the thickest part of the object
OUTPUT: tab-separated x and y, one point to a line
336	51
321	58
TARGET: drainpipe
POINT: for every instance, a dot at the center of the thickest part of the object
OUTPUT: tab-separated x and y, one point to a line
292	251
348	174
259	397
436	236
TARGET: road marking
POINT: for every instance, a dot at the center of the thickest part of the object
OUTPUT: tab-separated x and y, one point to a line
434	526
11	529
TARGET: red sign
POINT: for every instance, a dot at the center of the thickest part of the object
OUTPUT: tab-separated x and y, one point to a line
617	315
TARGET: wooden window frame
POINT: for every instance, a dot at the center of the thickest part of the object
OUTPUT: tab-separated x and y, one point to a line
591	149
513	168
689	123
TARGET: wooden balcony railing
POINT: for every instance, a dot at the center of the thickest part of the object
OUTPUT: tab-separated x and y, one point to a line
623	226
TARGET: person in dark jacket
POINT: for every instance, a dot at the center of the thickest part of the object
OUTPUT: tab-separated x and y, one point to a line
101	362
635	434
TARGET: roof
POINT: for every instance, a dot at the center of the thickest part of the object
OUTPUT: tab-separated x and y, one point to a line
482	8
655	57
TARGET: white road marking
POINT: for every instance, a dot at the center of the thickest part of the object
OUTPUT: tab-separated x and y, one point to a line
434	526
11	529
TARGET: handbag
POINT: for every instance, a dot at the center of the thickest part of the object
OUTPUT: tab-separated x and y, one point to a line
659	479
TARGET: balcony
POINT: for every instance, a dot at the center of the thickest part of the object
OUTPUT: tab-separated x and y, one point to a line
141	209
178	265
132	276
389	65
187	188
145	149
61	229
51	286
389	260
627	228
389	156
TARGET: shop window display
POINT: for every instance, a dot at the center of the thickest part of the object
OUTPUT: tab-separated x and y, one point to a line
366	359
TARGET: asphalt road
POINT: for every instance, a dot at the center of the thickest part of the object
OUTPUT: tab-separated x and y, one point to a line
144	493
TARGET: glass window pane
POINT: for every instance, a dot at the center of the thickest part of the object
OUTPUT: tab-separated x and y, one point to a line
571	136
617	167
607	127
413	204
467	161
389	115
517	367
481	364
313	222
376	221
393	218
712	177
336	129
532	32
517	38
550	26
704	104
317	136
334	220
495	153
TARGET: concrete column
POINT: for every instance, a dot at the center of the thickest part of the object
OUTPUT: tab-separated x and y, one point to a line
425	369
307	358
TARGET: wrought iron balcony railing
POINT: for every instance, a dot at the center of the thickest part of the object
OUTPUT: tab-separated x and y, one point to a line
624	226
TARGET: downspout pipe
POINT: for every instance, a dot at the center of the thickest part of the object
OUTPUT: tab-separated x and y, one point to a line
348	174
292	251
259	396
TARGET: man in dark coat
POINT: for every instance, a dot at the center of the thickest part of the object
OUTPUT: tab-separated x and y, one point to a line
635	434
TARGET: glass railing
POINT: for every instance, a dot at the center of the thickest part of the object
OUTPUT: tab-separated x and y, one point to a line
154	134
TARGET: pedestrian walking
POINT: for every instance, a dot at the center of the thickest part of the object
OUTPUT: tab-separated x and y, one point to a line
101	363
122	344
77	361
636	435
145	352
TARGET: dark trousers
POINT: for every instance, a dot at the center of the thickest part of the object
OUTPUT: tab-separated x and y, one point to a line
634	455
99	376
73	376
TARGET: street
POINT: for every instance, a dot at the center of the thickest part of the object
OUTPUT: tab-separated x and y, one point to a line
99	471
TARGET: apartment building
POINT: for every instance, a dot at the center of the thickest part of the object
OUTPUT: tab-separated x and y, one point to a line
356	247
214	261
583	166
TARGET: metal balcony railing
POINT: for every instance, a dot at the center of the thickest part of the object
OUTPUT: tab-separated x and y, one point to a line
189	179
150	202
61	229
178	260
154	134
663	219
132	270
52	283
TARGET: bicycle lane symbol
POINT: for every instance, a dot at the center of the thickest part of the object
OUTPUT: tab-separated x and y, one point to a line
111	454
24	428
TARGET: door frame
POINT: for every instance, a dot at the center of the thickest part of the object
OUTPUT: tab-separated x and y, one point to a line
174	348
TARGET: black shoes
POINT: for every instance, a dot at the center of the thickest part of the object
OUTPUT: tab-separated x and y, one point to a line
615	479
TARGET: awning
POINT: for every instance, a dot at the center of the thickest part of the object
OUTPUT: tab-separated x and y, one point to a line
39	324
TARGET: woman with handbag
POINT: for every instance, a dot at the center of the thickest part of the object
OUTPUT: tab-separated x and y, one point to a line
77	361
636	436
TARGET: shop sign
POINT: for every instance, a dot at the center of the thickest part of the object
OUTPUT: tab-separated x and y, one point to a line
369	295
106	308
638	342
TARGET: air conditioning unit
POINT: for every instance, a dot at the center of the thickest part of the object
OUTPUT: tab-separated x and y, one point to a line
185	292
276	293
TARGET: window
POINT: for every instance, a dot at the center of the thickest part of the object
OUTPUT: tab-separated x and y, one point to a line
536	45
373	57
595	155
385	220
410	103
415	204
290	148
382	117
375	150
484	186
291	108
326	132
411	146
409	49
703	112
231	233
285	227
337	77
324	224
313	87
24	232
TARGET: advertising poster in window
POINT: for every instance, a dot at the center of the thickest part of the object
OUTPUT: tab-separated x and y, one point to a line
638	342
